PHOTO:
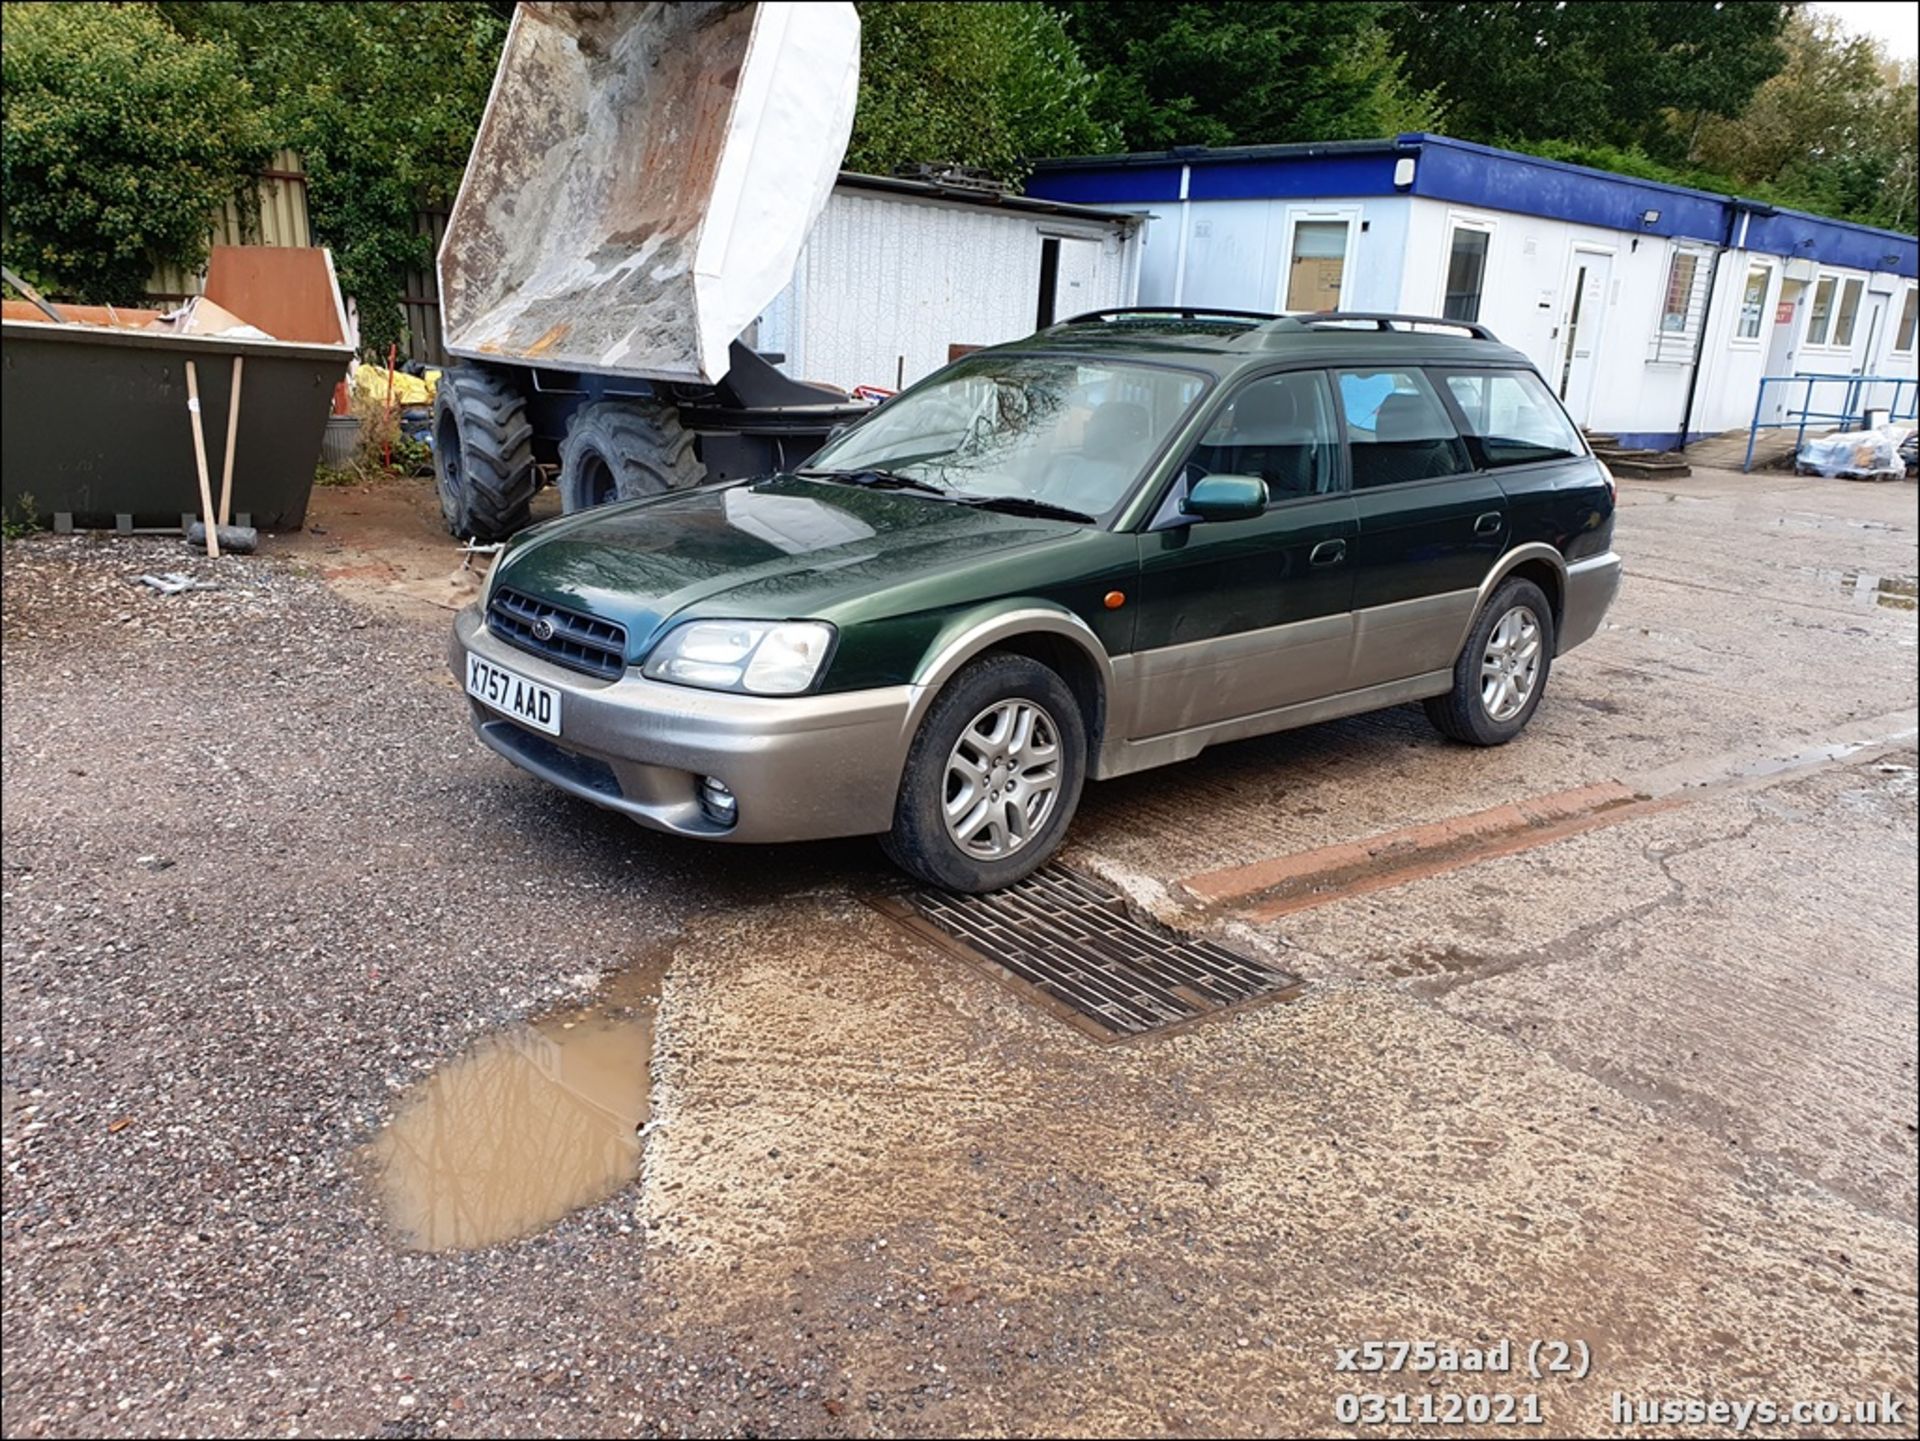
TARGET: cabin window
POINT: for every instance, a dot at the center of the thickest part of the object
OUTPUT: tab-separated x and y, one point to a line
1677	307
1820	316
1318	266
1466	273
1848	313
1753	302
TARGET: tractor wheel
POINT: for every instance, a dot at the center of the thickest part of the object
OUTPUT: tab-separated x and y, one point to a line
624	449
482	453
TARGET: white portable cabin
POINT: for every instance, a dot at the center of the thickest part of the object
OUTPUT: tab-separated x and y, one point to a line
1648	307
900	276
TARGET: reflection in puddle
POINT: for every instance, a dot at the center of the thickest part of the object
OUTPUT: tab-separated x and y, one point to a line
1895	592
525	1127
1802	760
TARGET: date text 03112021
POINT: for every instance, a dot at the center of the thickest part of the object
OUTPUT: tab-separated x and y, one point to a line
1538	1359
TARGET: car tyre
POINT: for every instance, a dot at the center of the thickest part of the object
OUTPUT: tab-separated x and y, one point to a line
1502	670
482	453
622	450
987	739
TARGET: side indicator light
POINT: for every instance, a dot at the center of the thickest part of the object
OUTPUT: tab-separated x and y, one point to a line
1116	599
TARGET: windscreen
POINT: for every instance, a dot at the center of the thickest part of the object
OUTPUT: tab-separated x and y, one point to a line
1073	434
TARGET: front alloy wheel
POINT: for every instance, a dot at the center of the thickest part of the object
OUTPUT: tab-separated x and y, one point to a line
1003	778
992	777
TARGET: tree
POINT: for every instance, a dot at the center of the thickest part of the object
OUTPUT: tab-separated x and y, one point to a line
1834	130
983	86
1245	72
1641	73
117	143
381	101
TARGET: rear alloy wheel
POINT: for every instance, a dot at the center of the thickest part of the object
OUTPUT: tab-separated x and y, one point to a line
992	778
482	454
622	450
1510	669
1502	670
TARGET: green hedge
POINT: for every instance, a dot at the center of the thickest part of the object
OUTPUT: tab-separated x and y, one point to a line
118	140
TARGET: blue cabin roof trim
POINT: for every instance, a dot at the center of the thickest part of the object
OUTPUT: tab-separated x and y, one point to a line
1463	173
1795	233
1345	173
1527	185
1096	185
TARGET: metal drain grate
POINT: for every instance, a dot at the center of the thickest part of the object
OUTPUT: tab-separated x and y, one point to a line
1064	940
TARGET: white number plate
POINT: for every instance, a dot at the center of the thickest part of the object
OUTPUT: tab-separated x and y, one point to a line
513	695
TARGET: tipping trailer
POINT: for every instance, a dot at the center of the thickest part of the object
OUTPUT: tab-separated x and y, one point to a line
639	191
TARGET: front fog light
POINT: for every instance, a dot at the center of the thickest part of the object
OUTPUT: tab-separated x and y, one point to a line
717	803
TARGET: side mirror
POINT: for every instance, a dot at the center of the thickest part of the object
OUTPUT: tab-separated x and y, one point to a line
1225	497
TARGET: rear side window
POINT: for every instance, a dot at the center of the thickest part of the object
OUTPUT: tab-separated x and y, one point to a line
1511	419
1280	428
1397	429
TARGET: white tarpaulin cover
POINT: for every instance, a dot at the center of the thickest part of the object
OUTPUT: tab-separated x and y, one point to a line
1856	454
643	181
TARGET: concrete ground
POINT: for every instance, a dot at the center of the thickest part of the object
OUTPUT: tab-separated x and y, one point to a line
1643	1089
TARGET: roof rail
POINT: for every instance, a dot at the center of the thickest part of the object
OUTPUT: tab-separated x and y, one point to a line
1383	320
1185	312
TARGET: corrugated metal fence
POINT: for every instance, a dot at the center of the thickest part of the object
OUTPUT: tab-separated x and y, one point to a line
422	297
279	218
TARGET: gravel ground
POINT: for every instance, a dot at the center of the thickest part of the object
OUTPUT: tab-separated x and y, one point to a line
259	879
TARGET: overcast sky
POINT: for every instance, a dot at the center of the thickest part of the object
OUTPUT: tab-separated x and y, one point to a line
1894	23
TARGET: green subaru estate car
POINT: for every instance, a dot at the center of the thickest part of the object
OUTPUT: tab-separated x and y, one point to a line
1106	547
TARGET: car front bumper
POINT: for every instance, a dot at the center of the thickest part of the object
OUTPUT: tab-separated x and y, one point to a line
1591	586
800	767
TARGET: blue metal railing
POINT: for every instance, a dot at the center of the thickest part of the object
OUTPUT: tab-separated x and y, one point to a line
1857	392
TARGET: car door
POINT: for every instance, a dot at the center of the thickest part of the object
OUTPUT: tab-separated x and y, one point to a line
1517	432
1430	524
1238	617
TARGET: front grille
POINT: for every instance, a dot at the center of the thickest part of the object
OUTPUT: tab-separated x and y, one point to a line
542	754
580	642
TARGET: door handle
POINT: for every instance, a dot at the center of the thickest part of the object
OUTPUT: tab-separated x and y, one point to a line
1329	552
1489	524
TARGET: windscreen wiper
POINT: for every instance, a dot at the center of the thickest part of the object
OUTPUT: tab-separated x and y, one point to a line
874	479
893	480
1022	505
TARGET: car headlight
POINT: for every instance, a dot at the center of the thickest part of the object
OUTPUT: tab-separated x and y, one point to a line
760	657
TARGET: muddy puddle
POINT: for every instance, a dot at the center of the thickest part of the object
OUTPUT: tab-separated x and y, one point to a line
526	1126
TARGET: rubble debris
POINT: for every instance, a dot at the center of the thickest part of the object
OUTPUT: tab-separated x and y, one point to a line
174	582
239	539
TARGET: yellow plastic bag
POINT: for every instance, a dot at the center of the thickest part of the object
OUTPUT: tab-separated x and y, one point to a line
370	383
